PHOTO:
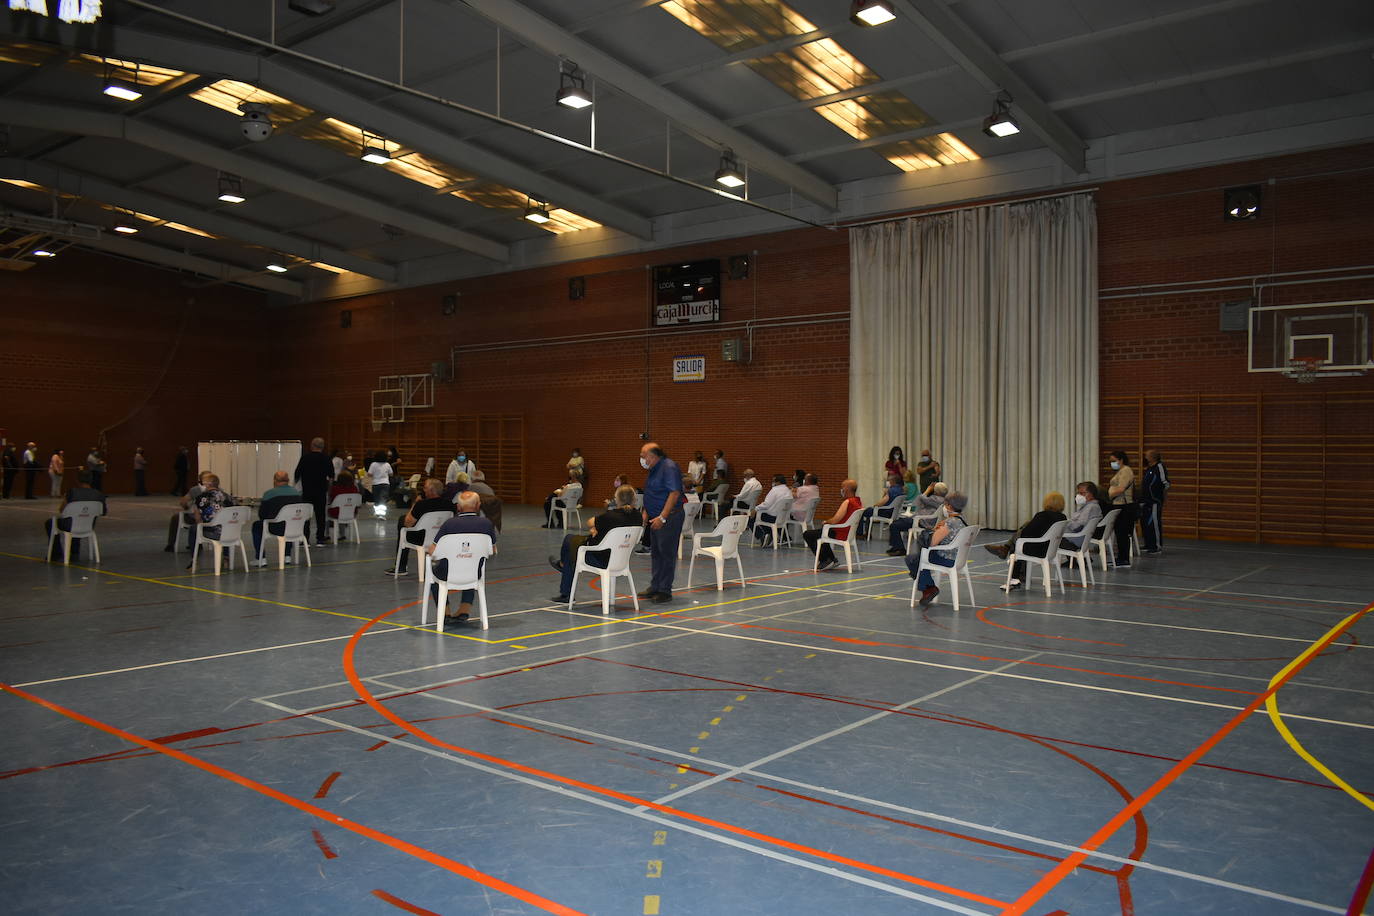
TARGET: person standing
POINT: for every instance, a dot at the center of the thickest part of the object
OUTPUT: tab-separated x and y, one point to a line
9	458
696	472
182	467
379	472
140	472
927	471
31	466
1153	489
1121	493
663	515
95	463
57	466
314	472
577	465
896	463
722	466
460	465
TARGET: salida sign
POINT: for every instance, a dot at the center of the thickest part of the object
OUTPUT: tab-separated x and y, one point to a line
687	293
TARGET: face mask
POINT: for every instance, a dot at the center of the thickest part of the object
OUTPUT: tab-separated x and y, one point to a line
1116	465
462	458
925	459
644	462
1080	500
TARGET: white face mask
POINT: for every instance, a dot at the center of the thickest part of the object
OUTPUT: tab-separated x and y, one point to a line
1080	500
1116	465
644	462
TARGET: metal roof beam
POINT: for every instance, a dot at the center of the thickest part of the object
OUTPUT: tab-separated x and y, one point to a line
90	122
206	267
84	185
554	40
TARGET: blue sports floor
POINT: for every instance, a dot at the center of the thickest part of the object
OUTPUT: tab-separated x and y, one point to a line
290	742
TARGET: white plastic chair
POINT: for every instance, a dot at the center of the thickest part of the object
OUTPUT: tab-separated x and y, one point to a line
916	524
1050	561
728	530
294	517
567	505
348	505
184	526
1106	544
230	521
465	554
746	505
621	543
806	522
691	511
429	523
1083	558
960	545
850	552
714	499
83	514
884	515
779	524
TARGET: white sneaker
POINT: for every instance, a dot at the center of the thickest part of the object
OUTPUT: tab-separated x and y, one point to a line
259	563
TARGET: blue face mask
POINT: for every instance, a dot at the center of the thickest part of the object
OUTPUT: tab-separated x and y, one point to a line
462	458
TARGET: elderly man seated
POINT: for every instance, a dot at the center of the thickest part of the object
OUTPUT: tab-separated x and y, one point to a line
769	510
928	504
892	492
466	521
433	501
187	513
624	515
84	491
749	492
570	494
274	500
1087	515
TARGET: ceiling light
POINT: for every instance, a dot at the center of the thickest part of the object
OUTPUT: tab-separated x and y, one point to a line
125	228
1000	123
43	253
377	154
276	268
572	86
536	212
729	174
120	88
871	12
231	188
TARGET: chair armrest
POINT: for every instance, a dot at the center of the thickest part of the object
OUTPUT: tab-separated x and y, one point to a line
1023	541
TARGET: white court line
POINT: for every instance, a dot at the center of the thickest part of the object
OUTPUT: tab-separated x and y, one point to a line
671	822
843	729
1211	588
199	658
969	825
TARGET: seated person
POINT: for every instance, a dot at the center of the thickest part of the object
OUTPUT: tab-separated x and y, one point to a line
1051	513
717	491
82	492
620	481
767	510
928	504
1087	515
749	492
187	513
849	504
434	501
461	483
403	494
909	486
479	484
808	489
466	521
891	494
209	501
949	526
492	506
624	515
798	478
343	485
274	500
570	494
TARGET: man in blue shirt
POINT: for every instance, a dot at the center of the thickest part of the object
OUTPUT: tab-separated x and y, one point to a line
663	517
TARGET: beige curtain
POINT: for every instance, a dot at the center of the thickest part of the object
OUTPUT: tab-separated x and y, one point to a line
974	333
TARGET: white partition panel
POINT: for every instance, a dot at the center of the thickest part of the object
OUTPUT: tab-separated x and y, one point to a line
245	468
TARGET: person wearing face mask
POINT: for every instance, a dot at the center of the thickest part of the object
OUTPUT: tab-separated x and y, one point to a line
663	516
749	493
896	462
460	465
577	465
925	504
1121	495
1153	488
927	471
944	532
1087	514
849	505
1052	511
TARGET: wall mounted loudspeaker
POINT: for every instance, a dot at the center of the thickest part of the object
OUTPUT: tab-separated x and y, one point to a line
577	288
449	303
346	318
739	267
1241	203
441	371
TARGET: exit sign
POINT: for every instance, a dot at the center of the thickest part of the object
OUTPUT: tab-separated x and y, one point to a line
689	369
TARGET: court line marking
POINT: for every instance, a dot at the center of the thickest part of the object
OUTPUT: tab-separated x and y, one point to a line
329	817
1052	878
1211	588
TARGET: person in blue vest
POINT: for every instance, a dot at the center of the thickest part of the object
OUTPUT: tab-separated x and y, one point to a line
663	517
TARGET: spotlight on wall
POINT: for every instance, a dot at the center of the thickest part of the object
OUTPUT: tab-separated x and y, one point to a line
536	211
277	268
118	88
729	174
231	188
572	86
871	12
1241	203
375	149
1001	123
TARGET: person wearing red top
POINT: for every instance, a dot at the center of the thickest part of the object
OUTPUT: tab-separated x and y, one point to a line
896	463
342	484
849	491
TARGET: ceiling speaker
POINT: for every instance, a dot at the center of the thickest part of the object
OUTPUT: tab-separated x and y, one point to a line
739	267
346	318
577	288
449	304
1241	203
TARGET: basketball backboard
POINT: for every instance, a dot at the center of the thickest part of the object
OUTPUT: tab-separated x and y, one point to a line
1338	334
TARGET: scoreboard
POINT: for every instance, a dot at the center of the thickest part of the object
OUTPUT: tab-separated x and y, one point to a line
687	293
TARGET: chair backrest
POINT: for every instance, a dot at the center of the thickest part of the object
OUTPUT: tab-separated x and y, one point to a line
430	523
1055	533
962	542
464	552
845	525
750	499
621	543
892	509
729	531
347	504
718	494
807	507
691	511
1107	526
639	500
294	516
83	513
784	510
572	495
231	520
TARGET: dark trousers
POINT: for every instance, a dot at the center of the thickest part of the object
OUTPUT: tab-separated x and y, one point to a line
1152	521
63	524
927	579
179	488
568	554
896	532
663	553
557	520
1125	526
98	480
257	536
467	596
316	500
140	483
766	518
412	537
30	475
811	537
9	480
1018	569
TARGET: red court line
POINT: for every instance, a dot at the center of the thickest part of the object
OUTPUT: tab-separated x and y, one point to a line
1057	874
1361	895
403	904
350	671
981	615
325	786
320	841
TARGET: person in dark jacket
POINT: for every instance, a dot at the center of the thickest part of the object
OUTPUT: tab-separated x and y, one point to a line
313	473
1153	488
1040	523
84	491
182	467
624	515
10	460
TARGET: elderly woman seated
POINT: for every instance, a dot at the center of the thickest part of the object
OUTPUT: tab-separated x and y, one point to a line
1051	513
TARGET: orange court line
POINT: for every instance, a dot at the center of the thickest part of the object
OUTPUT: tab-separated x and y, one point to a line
1052	878
350	671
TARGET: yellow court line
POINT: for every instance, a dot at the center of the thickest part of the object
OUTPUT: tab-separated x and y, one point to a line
1272	705
211	591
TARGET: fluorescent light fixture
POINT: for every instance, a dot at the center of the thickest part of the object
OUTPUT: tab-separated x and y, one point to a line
871	12
574	97
1001	123
231	188
377	154
729	175
125	228
43	253
120	89
536	212
276	268
230	198
572	86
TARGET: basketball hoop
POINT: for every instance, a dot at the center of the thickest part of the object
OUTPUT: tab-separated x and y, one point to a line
1304	370
377	426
